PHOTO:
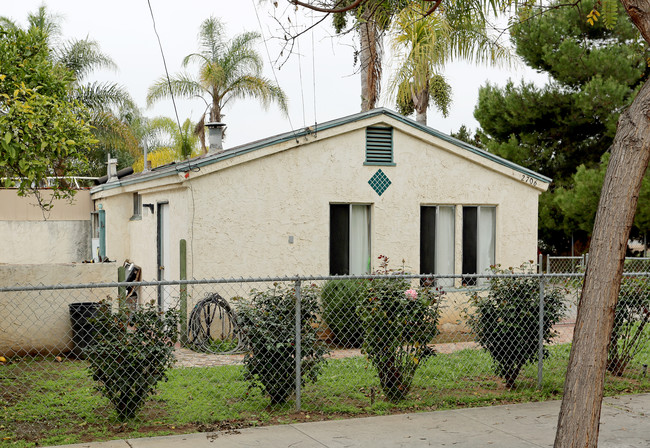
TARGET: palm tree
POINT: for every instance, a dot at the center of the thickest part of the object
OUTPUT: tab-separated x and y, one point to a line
372	19
228	70
425	43
166	142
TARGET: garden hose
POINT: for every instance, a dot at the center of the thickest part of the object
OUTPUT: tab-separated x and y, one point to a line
212	327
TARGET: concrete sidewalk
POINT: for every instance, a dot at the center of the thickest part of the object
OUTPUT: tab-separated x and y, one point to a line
625	422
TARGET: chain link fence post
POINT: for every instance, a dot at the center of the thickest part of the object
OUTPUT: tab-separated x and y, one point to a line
298	348
540	362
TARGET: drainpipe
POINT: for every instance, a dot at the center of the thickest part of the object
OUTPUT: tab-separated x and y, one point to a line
215	136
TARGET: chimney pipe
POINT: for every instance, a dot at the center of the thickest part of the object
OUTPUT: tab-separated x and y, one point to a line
112	169
215	136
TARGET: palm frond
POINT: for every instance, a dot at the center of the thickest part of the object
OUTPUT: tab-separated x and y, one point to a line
104	96
261	89
82	57
182	85
210	36
113	133
47	23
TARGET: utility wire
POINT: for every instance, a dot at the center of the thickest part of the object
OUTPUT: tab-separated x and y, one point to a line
268	55
313	70
169	83
302	89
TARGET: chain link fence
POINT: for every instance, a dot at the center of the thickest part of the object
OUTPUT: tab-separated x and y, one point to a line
215	350
577	264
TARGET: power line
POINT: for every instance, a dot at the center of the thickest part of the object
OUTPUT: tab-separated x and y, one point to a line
268	55
302	89
169	83
313	70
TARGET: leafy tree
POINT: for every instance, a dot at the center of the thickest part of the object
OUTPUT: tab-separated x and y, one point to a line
228	70
44	133
107	104
580	202
558	127
465	135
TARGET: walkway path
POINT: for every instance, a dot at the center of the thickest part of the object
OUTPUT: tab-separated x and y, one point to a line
624	423
189	358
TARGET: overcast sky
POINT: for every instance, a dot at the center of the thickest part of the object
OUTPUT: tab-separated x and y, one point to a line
125	32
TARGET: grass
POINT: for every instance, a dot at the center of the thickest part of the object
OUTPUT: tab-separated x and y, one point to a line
43	402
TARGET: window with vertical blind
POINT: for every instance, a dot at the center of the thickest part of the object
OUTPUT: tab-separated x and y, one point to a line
349	239
479	239
437	226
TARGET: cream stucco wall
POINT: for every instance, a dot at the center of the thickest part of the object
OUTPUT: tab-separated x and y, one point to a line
29	235
263	202
45	241
237	214
39	321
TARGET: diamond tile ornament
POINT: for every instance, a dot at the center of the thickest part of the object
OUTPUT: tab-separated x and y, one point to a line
379	182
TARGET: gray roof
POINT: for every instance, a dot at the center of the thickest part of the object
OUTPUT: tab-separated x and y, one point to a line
198	162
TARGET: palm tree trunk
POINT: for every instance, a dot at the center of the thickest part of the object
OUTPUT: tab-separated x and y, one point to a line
370	59
579	418
421	103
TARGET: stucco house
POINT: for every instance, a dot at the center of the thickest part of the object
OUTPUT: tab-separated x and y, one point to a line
327	200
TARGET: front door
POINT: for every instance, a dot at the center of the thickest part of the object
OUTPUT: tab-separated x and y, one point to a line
163	255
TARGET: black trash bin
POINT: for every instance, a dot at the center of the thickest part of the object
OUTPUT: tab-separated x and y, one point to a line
82	328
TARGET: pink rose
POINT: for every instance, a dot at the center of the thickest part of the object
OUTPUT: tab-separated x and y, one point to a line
411	294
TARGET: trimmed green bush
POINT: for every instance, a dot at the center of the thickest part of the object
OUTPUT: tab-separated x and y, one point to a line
506	321
631	330
341	299
131	352
268	325
398	323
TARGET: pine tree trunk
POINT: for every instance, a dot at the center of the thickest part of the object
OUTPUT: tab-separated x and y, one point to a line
583	391
370	60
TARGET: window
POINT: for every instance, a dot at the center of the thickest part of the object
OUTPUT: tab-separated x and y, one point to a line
479	228
349	239
437	241
379	146
137	206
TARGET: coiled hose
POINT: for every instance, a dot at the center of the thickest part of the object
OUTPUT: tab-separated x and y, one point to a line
212	327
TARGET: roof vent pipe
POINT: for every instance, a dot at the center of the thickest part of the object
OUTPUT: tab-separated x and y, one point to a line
215	136
112	169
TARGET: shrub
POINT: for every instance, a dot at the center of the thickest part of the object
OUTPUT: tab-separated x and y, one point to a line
267	323
341	299
398	323
630	331
506	321
131	352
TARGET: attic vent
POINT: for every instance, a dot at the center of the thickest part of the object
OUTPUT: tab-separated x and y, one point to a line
379	146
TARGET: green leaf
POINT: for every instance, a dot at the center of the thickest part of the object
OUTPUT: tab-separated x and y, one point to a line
7	137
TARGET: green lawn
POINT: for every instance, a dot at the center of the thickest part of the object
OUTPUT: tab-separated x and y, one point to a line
47	403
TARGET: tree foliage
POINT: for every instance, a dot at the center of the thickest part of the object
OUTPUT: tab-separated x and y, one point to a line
107	105
580	201
594	73
44	132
